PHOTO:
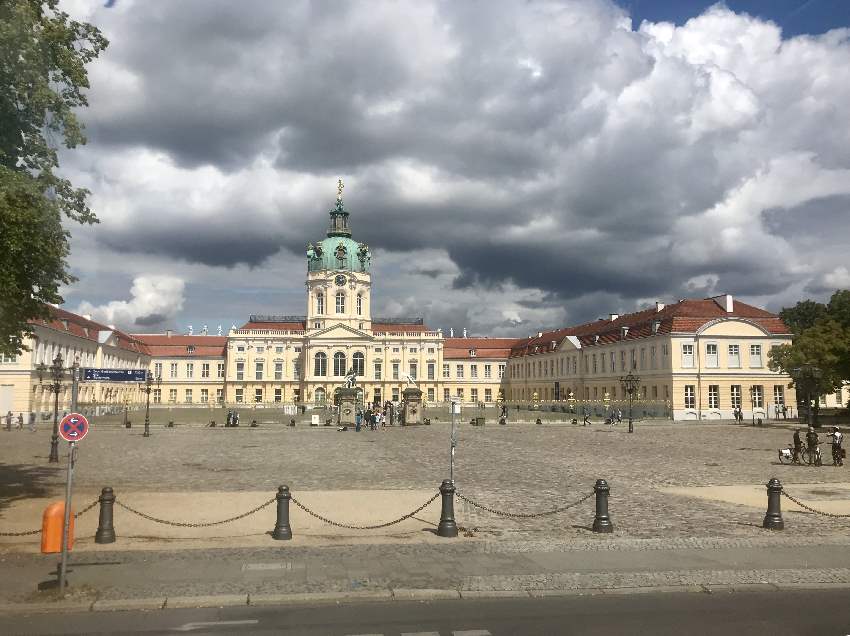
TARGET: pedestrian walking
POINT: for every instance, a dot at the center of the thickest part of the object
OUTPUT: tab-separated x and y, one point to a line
619	416
586	418
229	420
32	422
358	420
235	418
9	421
20	423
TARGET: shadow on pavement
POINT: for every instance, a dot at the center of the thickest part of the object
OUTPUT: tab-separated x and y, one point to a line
20	481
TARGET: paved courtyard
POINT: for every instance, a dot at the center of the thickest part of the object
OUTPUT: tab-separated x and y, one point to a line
517	468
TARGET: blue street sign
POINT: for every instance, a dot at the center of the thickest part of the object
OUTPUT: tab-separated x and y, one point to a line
115	375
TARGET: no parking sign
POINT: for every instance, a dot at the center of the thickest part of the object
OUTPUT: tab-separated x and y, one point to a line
73	427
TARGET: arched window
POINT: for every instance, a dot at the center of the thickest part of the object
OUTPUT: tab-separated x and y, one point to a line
340	302
320	395
359	304
320	367
320	303
359	363
339	364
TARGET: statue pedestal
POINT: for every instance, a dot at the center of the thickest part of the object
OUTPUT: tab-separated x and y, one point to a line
347	406
412	413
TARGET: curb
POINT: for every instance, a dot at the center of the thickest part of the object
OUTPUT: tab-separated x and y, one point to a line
391	595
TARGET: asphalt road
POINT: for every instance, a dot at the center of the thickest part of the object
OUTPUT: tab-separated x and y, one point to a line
808	613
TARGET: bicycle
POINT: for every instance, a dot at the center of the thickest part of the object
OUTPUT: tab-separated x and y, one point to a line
788	456
811	456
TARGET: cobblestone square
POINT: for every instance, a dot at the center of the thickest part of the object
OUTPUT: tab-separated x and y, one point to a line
515	468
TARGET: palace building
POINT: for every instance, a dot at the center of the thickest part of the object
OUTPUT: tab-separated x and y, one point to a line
696	359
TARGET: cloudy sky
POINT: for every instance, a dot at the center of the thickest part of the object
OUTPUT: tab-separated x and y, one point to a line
513	165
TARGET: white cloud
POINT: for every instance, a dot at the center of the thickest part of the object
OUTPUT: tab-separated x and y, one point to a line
154	300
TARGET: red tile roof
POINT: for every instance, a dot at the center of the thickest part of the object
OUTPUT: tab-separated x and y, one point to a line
275	326
65	321
177	346
487	348
389	327
685	316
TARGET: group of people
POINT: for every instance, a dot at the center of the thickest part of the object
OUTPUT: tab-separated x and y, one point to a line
19	421
375	417
812	445
232	419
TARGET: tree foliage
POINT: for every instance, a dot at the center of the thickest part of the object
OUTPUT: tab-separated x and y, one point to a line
42	81
823	341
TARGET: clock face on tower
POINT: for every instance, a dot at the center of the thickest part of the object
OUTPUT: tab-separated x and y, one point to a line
340	280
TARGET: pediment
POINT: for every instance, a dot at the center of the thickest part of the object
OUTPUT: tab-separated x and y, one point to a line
340	331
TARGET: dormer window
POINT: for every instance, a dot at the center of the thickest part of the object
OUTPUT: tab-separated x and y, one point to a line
552	345
472	353
624	332
190	349
64	324
656	325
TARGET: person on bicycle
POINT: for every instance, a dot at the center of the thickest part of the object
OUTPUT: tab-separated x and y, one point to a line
798	445
837	438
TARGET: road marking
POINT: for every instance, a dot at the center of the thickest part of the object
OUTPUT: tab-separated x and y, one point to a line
420	634
286	565
188	627
471	632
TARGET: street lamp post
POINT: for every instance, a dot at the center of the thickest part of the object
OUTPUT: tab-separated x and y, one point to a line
571	400
55	373
146	388
606	402
753	404
630	383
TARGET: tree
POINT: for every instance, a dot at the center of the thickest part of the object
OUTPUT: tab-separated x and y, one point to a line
803	315
42	78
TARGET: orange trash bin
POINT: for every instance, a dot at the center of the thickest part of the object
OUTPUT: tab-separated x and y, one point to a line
51	528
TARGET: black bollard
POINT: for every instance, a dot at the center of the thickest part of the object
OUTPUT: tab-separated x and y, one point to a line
292	422
282	531
602	522
773	517
447	527
105	530
538	421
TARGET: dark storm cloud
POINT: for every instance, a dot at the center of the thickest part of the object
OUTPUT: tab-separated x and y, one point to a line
543	145
151	320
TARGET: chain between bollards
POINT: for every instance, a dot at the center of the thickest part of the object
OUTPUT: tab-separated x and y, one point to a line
773	516
105	529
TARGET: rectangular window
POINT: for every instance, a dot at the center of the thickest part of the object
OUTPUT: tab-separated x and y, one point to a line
432	371
431	350
278	370
622	361
446	395
642	358
205	370
711	359
258	371
258	395
594	364
278	349
430	394
188	396
414	350
713	396
240	348
395	394
460	394
690	396
190	369
296	369
445	370
758	396
172	395
296	395
473	395
501	371
736	396
221	370
205	396
734	356
157	370
459	371
239	395
377	370
157	396
395	371
240	370
473	371
654	392
260	349
173	370
779	394
488	371
652	358
278	395
488	395
687	356
755	355
219	396
414	369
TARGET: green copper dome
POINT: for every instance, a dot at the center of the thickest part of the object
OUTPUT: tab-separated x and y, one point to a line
339	250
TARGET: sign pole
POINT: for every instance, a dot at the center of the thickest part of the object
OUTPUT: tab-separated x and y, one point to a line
453	444
63	565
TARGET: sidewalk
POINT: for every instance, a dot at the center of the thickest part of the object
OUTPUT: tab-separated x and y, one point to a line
455	569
